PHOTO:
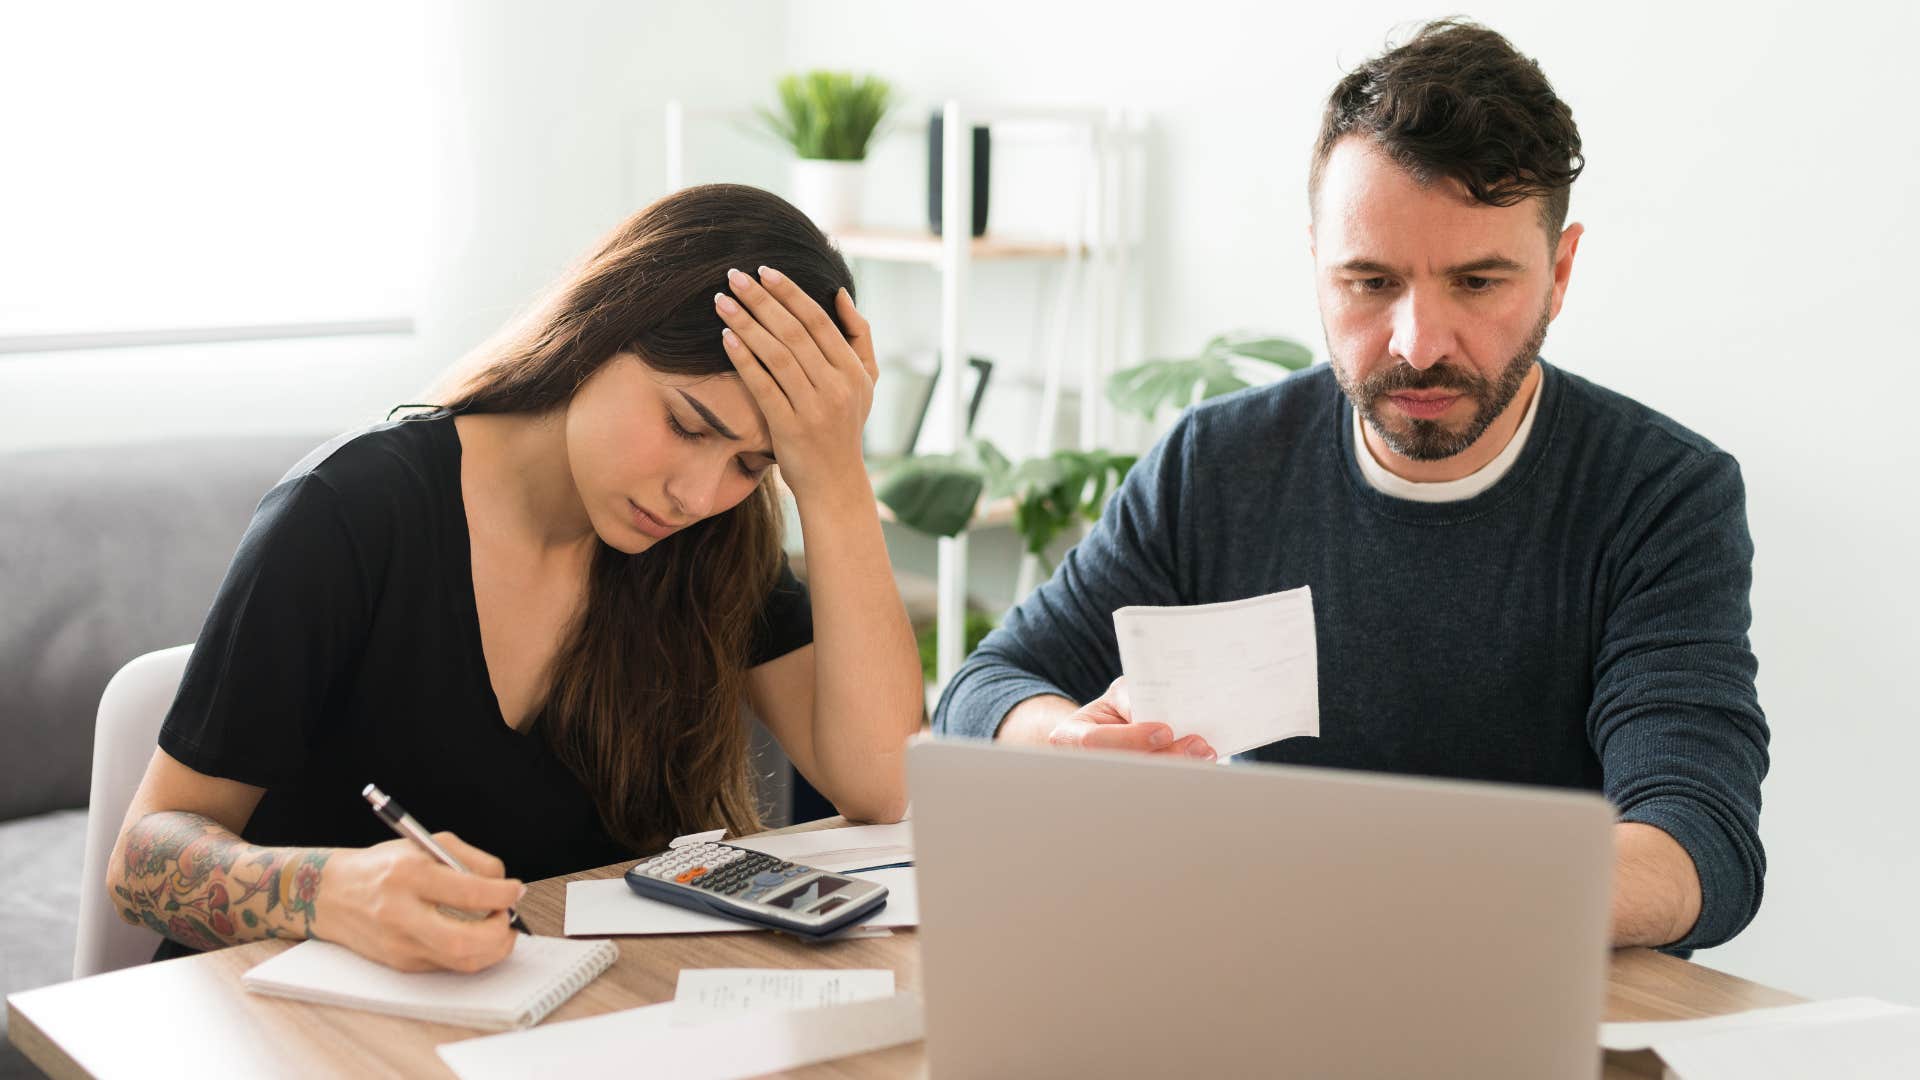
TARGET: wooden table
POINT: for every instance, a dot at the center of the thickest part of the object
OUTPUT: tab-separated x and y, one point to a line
191	1017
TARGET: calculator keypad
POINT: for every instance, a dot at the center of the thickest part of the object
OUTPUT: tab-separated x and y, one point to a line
721	869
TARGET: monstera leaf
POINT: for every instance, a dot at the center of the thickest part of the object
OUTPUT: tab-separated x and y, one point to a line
1054	493
1146	388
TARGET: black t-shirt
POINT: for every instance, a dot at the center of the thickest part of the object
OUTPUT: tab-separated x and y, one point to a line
343	649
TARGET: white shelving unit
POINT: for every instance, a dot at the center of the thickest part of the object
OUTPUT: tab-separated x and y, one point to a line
1091	330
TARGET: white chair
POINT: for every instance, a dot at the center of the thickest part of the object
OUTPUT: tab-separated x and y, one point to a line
124	736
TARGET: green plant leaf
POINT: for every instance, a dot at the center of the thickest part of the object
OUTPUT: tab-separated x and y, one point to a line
1283	352
1110	470
1041	472
934	494
994	467
1145	389
827	115
978	626
1055	493
1221	379
937	494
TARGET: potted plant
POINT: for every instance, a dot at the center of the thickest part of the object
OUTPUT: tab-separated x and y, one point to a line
828	118
937	494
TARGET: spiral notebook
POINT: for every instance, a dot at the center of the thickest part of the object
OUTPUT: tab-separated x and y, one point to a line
517	992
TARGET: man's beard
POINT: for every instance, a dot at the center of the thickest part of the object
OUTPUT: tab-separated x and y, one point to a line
1433	440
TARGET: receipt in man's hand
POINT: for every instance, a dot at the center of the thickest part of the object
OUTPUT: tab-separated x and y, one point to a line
1239	674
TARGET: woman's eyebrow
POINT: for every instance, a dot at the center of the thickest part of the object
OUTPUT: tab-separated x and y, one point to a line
707	415
713	422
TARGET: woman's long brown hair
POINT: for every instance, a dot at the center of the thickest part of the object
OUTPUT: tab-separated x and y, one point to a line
644	699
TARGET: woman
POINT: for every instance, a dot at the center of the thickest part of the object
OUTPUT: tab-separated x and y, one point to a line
534	615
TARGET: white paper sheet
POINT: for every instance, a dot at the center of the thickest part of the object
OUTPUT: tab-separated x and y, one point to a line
707	837
854	847
1885	1047
643	1042
1239	674
704	995
608	906
1651	1034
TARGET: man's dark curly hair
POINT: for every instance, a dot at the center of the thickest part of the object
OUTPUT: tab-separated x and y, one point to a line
1458	102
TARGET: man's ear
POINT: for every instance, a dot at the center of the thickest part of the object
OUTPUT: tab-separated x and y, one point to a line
1563	264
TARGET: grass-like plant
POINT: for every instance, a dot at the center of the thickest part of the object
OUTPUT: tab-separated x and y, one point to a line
828	115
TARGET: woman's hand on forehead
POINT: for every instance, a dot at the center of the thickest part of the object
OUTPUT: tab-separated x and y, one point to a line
813	383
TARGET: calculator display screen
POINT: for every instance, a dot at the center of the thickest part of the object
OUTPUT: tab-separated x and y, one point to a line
802	898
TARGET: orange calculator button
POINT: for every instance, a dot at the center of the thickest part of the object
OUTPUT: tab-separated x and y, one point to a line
689	875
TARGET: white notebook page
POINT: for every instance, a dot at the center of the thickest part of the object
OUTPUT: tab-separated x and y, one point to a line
541	973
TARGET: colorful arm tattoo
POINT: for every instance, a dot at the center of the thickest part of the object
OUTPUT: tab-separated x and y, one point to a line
186	877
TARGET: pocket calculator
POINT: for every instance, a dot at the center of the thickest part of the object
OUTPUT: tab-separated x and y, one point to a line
736	883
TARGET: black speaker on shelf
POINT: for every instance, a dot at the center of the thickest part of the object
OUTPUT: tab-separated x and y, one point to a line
982	156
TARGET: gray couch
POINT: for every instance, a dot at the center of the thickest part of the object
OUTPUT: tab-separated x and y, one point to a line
105	553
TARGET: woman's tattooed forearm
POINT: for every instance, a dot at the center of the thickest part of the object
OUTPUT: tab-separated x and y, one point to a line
186	877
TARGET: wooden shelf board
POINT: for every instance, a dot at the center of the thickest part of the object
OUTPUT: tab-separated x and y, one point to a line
914	246
988	514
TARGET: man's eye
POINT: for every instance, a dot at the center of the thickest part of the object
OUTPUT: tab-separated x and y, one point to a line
1478	284
1370	285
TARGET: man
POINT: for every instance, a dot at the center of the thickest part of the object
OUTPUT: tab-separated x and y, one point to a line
1517	575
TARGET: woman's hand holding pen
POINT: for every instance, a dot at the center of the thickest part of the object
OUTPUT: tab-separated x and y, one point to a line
385	902
813	383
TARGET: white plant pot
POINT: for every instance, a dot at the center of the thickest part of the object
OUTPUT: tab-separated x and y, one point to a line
829	192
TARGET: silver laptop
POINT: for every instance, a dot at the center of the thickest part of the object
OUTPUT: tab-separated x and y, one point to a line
1112	915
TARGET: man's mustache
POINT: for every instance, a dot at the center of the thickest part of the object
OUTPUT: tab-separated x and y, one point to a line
1443	377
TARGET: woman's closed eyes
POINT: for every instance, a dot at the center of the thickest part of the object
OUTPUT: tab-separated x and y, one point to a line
681	431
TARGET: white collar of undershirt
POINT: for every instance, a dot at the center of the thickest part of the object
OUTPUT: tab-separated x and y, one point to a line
1466	487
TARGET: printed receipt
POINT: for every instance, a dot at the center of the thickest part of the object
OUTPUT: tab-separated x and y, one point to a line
1239	674
708	994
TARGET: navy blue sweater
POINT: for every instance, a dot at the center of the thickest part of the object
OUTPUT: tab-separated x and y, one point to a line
1581	623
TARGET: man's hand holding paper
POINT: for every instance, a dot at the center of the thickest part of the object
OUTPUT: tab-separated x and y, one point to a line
1205	680
1237	675
1107	723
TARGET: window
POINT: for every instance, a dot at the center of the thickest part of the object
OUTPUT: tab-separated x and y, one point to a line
179	169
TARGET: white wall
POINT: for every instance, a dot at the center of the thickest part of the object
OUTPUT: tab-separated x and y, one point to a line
538	131
1750	213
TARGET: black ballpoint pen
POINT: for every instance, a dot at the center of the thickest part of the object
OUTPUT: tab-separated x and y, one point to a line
402	822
